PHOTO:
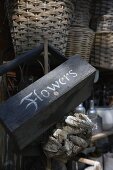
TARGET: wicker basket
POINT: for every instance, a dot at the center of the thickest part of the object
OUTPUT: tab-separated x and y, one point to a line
31	19
105	23
82	13
102	52
103	7
80	41
101	10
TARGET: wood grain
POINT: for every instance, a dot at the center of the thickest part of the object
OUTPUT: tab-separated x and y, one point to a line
27	119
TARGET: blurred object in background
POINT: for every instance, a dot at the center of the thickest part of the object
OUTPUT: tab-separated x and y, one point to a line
6	54
103	89
96	119
80	109
6	47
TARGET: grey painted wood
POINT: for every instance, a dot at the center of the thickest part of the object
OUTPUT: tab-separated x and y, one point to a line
35	109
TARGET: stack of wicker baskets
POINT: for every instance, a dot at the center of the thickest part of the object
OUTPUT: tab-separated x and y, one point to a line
80	38
31	19
82	13
102	53
102	7
101	10
80	41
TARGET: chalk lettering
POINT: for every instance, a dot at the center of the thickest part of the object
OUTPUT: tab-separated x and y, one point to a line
33	98
54	86
74	74
62	81
38	96
31	101
45	93
66	76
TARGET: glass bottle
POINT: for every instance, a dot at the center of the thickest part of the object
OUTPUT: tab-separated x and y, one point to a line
80	109
97	120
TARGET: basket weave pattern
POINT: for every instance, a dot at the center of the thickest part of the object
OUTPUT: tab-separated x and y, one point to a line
102	22
102	53
102	12
105	23
82	13
103	7
31	19
80	41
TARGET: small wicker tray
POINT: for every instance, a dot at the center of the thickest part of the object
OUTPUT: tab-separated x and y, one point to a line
80	41
102	52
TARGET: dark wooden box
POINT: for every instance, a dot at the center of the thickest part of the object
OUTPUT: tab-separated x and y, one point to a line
35	109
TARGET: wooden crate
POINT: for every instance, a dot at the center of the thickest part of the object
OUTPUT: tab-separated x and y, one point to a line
38	107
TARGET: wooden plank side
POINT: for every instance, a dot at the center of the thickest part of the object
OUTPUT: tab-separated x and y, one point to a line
52	114
40	100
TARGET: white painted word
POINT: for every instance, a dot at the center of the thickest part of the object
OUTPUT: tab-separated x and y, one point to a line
35	97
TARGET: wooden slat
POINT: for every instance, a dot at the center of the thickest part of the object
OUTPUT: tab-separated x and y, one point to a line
101	135
90	162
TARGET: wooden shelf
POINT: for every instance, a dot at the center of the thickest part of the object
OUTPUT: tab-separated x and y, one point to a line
101	135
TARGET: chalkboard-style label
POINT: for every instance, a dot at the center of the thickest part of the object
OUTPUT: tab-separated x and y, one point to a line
35	109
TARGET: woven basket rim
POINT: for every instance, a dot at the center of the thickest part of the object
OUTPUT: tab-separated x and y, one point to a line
80	28
105	16
105	32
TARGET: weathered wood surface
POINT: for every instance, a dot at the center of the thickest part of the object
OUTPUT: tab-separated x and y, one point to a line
35	109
